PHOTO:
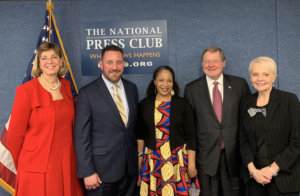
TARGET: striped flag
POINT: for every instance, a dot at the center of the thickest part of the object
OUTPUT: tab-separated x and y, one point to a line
49	33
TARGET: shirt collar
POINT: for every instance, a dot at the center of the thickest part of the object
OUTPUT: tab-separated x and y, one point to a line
109	84
211	81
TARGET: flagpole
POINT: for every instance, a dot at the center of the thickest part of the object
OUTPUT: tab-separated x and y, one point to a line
50	7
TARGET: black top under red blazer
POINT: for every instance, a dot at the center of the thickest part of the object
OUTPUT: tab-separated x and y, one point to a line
281	134
182	126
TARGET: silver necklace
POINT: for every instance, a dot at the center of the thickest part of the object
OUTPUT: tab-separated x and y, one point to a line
58	83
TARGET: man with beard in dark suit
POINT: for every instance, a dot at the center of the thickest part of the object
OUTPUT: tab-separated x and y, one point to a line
105	123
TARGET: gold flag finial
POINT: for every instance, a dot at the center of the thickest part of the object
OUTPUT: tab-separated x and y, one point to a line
50	5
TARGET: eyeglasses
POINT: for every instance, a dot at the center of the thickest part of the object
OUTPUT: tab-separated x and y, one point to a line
52	58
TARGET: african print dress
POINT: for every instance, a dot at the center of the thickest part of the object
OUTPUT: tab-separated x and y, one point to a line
164	172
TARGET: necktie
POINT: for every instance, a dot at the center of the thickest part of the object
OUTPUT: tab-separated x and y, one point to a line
217	101
217	104
119	104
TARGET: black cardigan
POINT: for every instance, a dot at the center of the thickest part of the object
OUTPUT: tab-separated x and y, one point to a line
182	126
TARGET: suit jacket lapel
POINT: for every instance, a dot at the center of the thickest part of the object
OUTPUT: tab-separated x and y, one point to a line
252	104
271	107
206	97
130	100
107	97
227	91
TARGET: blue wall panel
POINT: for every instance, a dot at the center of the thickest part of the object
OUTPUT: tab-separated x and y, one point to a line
289	45
244	29
241	28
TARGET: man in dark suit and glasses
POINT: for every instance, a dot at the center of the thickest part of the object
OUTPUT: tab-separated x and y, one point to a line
105	123
215	99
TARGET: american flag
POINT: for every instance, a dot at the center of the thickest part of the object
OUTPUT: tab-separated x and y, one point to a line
7	169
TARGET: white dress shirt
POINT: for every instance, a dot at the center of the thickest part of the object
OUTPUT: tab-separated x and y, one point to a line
210	84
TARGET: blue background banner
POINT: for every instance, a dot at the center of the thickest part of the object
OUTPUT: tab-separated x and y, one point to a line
144	43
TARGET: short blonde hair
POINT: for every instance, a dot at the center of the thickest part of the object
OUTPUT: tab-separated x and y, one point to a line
36	70
266	62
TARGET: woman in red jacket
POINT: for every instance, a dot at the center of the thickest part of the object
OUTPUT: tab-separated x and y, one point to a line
40	130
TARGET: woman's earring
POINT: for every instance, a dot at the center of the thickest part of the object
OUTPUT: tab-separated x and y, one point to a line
172	92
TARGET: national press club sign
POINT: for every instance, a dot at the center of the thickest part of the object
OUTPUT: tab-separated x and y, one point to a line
144	44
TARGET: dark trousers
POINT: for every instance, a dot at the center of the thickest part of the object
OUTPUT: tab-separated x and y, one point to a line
125	187
222	183
255	189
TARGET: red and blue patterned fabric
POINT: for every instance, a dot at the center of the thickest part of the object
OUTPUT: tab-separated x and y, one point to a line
164	172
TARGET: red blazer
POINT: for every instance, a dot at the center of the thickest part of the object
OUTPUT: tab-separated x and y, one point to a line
32	123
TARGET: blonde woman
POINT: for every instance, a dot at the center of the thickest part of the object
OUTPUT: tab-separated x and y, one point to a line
270	135
40	130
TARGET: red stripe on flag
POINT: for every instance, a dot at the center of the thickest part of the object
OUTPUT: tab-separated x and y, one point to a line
8	176
3	137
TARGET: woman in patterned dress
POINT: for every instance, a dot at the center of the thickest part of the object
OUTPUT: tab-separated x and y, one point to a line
166	138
